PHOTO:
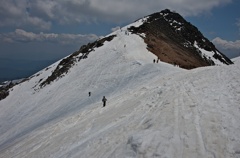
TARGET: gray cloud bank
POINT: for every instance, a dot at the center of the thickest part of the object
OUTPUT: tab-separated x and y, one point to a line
43	13
23	36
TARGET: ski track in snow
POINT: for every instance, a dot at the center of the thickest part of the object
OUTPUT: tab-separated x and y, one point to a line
153	110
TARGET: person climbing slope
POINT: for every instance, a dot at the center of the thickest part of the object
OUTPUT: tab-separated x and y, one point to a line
104	101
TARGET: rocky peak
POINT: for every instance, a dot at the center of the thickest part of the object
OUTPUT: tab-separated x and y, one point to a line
176	41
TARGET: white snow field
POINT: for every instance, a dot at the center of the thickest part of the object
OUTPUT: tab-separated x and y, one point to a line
153	110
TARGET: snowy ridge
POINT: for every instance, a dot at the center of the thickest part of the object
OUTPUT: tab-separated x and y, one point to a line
153	109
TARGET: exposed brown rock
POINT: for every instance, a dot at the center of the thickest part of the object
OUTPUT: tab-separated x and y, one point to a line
170	37
171	53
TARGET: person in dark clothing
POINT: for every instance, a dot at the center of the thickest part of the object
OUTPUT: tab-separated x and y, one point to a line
104	101
89	94
153	60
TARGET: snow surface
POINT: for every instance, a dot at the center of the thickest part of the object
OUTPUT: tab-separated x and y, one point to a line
153	110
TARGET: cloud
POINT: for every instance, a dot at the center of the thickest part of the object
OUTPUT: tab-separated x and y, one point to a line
67	39
230	48
42	14
16	13
238	23
227	44
115	28
40	23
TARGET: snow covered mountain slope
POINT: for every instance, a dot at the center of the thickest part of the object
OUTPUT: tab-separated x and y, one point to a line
182	114
111	70
167	34
153	109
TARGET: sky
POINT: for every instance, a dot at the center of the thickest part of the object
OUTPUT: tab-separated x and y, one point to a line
34	34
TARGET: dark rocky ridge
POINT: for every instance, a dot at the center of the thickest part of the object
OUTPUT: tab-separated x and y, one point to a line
172	39
6	87
65	64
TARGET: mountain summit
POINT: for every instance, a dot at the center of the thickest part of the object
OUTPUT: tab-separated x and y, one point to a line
150	109
176	41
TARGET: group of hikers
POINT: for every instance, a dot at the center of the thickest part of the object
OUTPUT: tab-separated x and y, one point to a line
156	61
104	99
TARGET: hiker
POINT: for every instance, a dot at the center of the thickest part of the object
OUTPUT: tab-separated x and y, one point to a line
153	60
174	64
89	94
104	101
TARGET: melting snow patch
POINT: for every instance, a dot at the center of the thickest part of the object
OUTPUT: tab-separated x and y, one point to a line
138	22
187	44
143	35
208	54
179	29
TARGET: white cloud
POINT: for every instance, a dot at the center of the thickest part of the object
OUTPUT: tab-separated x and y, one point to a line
67	39
229	48
238	23
35	21
115	28
227	44
43	13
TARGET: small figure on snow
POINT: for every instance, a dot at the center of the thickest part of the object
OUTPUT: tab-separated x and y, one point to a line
153	60
104	101
174	64
89	94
